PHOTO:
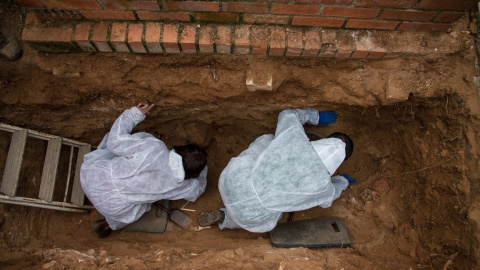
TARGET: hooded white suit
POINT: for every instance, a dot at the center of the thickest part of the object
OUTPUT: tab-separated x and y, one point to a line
280	173
128	172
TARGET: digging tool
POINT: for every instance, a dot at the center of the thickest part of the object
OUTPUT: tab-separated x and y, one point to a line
176	216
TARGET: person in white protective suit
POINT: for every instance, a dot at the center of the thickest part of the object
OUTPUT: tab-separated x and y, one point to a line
129	172
285	172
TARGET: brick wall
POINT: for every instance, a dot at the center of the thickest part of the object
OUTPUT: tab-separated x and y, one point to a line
400	15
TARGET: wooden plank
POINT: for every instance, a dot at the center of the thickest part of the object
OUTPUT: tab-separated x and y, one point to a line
50	168
77	192
14	163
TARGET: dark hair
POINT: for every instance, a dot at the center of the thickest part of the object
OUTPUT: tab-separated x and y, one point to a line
347	140
194	159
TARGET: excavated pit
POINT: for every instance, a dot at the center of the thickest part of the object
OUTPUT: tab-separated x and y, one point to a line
415	205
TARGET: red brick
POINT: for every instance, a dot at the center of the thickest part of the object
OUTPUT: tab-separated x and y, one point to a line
30	3
259	40
377	53
51	39
131	5
349	12
109	15
422	16
329	36
313	21
135	34
82	32
223	40
329	52
277	41
328	43
446	4
170	38
242	40
118	37
344	52
265	19
217	17
42	16
190	6
360	52
391	55
294	9
99	37
366	24
326	2
163	16
59	34
152	37
386	3
410	26
31	19
312	43
294	42
447	17
244	7
206	39
72	4
276	1
345	43
187	39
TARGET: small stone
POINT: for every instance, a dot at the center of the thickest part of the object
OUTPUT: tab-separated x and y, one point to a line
398	85
382	186
65	73
352	201
91	252
263	76
366	195
239	252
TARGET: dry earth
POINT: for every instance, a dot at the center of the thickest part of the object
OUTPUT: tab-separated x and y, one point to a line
415	205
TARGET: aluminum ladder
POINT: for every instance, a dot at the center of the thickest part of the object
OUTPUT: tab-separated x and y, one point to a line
73	197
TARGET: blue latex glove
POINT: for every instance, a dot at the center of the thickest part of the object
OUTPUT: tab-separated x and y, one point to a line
350	180
326	118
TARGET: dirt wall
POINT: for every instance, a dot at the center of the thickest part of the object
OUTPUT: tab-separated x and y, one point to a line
415	205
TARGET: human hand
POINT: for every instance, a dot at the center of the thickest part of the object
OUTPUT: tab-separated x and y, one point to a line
327	117
350	180
145	108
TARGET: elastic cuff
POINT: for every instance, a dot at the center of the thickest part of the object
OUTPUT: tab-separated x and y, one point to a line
137	115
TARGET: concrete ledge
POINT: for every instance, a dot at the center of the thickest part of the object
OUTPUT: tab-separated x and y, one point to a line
173	38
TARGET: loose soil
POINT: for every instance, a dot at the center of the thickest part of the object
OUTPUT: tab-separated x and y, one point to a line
415	205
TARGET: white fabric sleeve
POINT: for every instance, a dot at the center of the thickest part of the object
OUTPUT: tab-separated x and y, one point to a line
340	183
193	188
120	141
296	117
103	143
257	146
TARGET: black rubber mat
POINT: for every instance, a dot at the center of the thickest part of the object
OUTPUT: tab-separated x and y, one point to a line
154	221
318	232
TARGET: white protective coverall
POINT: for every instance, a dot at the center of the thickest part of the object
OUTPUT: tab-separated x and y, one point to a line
128	172
280	173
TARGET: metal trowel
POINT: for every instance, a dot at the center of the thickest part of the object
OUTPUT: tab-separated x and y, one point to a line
176	216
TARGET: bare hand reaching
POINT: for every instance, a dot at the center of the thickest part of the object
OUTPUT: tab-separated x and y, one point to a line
145	108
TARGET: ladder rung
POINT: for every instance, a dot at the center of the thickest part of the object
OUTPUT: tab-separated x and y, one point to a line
50	169
78	196
14	163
